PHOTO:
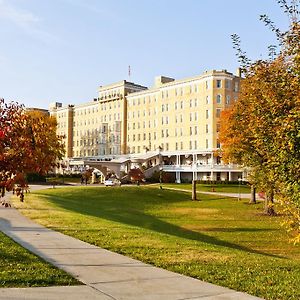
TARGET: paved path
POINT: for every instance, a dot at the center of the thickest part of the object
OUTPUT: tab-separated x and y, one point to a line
233	195
106	275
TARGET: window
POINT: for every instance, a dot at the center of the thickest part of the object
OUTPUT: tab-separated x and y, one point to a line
191	103
191	117
206	128
167	146
219	97
191	130
196	102
207	144
195	145
227	99
144	137
181	104
207	84
167	132
191	146
236	87
219	83
175	105
176	146
196	116
218	127
218	144
176	119
195	130
181	118
162	133
207	114
207	99
133	137
139	137
227	84
218	112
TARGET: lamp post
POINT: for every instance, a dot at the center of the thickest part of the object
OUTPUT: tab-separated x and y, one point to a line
240	179
160	177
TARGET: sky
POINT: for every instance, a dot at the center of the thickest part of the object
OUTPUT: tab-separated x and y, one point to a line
63	50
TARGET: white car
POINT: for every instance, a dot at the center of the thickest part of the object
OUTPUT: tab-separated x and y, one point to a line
112	182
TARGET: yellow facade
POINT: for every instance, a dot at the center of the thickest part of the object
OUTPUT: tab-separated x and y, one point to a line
173	115
179	115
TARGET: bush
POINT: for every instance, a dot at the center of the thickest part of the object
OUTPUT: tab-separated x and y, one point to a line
35	177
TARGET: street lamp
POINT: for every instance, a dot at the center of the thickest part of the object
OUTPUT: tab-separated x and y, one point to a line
160	177
240	179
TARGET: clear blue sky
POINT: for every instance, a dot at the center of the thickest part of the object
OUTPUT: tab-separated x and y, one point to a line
62	50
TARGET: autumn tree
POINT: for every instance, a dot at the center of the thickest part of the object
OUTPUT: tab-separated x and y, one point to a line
28	144
136	175
261	130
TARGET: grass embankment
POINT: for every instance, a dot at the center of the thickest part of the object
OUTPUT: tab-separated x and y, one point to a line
220	240
20	268
220	188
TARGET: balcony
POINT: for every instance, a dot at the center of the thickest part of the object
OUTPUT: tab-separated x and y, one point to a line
201	168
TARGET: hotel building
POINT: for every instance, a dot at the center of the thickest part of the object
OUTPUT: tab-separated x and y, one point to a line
172	126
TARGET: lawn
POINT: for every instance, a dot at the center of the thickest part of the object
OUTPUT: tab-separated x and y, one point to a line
221	188
219	240
20	268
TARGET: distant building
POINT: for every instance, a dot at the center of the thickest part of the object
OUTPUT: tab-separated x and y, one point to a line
41	110
172	126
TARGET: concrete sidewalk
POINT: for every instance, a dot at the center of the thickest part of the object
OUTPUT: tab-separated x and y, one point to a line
106	275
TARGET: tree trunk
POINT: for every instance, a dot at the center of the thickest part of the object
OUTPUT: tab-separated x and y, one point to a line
269	208
253	195
194	190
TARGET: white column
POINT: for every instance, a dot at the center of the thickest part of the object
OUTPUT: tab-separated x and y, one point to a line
178	177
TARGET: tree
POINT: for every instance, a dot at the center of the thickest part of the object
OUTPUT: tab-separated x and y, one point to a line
136	175
28	143
262	128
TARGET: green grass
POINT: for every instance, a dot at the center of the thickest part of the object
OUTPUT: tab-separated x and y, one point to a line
63	180
219	240
221	188
20	268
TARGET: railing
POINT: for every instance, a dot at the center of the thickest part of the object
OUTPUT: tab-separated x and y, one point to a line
148	173
198	167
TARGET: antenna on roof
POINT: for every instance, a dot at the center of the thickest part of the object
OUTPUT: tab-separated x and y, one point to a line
129	71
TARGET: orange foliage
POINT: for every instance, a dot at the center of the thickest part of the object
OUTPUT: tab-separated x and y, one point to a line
28	144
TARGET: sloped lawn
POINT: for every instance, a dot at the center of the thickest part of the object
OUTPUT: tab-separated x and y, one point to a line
220	240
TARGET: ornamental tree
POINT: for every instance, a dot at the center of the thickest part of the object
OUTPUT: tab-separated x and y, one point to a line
28	144
261	130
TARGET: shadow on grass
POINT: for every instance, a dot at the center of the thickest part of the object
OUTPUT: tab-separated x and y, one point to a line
130	211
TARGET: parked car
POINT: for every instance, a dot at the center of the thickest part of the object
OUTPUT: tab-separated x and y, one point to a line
112	182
